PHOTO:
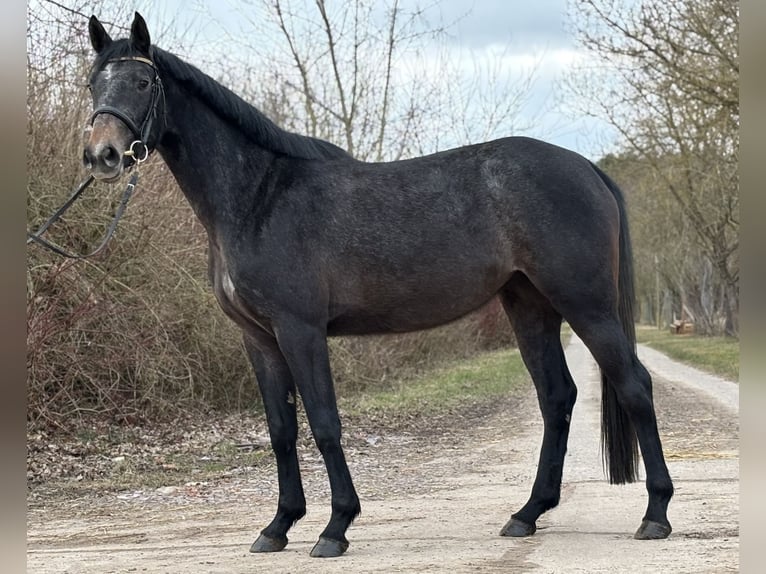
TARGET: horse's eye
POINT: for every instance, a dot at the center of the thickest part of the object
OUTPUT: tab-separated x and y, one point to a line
143	84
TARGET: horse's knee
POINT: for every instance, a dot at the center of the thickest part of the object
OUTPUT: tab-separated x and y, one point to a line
283	437
327	436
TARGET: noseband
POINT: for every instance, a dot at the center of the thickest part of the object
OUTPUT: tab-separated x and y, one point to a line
143	132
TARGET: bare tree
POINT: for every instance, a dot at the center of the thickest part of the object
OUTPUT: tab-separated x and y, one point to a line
672	91
138	331
375	78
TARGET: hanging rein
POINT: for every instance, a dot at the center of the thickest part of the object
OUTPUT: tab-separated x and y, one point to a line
138	152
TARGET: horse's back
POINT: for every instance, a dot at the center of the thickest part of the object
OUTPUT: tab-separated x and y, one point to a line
470	185
411	244
488	202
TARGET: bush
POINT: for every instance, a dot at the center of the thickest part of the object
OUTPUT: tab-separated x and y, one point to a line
136	332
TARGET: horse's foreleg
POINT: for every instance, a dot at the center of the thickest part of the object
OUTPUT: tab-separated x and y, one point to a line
278	392
305	348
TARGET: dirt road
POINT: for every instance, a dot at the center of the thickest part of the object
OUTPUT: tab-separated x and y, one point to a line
437	506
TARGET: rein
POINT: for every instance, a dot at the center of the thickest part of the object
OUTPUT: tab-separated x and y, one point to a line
37	235
138	156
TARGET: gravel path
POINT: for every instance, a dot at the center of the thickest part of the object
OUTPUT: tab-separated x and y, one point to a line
719	389
435	502
590	530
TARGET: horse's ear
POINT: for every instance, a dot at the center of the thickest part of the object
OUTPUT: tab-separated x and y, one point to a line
139	35
99	38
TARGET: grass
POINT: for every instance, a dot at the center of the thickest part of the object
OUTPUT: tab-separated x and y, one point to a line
488	376
717	355
178	469
495	374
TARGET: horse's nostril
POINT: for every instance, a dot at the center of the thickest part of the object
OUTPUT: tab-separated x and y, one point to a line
111	156
87	159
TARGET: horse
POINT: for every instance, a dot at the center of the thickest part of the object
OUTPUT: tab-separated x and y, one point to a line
307	242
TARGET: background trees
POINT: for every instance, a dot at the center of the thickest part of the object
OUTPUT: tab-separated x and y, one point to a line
673	72
138	331
375	77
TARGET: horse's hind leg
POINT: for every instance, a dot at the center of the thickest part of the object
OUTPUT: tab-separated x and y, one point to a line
278	392
537	327
632	384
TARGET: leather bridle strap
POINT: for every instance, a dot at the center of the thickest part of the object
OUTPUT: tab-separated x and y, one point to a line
121	116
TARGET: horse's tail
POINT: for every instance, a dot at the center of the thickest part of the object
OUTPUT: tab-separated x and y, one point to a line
618	437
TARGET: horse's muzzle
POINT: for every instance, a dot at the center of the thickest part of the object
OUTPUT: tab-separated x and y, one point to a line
105	162
103	151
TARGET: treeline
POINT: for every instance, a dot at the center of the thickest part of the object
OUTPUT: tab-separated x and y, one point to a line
673	92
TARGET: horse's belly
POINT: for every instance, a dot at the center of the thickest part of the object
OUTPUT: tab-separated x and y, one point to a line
398	309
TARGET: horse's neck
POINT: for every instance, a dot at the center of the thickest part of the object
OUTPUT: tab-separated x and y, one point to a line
215	165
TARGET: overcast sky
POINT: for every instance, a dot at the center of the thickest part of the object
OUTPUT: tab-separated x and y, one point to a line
537	31
527	33
538	23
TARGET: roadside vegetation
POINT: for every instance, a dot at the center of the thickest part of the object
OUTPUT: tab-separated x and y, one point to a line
194	448
717	355
673	74
488	377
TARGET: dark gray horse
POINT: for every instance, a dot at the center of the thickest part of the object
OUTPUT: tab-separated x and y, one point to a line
307	242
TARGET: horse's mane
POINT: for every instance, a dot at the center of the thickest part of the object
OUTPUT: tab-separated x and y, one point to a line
228	105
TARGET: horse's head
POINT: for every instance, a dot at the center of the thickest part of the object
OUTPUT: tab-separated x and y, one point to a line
127	100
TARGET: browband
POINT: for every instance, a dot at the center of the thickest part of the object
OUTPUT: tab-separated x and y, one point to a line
132	59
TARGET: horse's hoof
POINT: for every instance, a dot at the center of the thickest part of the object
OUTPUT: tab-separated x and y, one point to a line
329	548
650	530
268	544
515	527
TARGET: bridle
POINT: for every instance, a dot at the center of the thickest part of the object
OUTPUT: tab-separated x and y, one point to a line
142	134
